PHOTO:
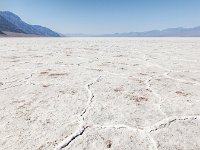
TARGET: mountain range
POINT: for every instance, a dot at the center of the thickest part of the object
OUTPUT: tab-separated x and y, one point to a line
171	32
13	25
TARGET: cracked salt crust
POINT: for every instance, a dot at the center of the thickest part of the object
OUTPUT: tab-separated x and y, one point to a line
97	93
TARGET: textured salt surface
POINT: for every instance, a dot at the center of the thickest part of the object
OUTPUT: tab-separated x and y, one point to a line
100	93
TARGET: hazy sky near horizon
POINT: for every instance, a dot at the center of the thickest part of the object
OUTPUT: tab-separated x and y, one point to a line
106	16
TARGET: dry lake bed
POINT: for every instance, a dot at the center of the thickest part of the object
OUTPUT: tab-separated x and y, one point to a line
100	93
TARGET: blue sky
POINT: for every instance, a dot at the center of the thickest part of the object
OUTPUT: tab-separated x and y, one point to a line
106	16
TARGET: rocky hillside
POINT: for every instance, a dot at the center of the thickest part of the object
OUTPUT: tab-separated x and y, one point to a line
10	22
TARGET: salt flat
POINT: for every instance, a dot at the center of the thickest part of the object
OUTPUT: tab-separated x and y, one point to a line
100	93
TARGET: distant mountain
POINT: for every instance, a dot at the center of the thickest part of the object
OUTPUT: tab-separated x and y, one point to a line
5	25
12	23
171	32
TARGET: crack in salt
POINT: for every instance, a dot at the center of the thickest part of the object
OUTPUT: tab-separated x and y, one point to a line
167	121
82	126
148	87
90	96
118	126
72	137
